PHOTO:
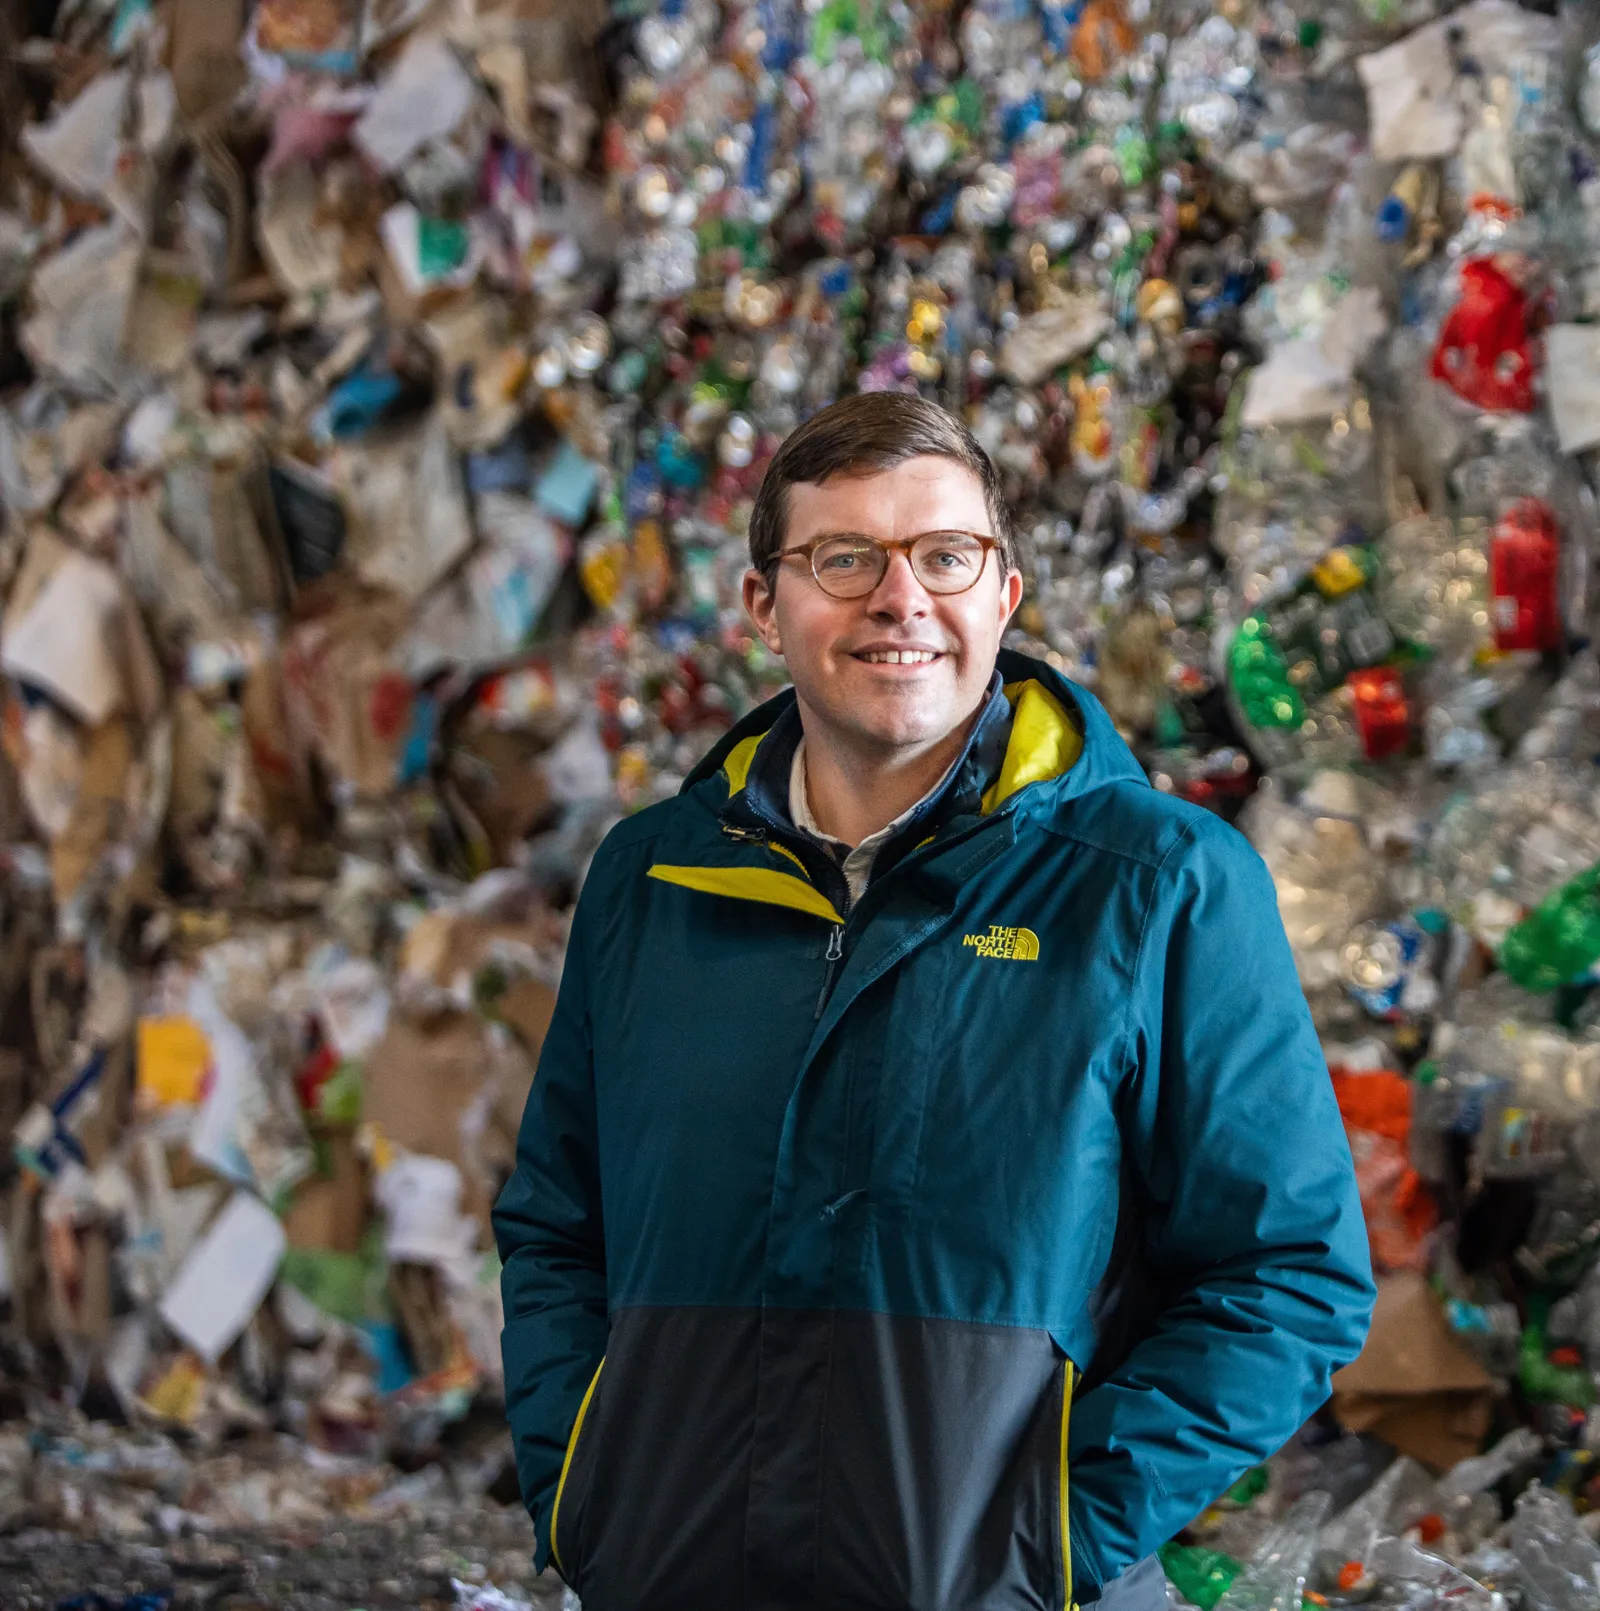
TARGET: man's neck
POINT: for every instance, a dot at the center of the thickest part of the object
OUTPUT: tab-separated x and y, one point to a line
854	793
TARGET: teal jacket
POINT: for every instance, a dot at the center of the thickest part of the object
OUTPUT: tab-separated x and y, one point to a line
950	1250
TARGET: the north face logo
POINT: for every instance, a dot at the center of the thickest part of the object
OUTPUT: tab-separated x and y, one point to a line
1014	945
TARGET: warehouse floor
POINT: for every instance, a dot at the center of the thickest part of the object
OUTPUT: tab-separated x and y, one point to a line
379	1566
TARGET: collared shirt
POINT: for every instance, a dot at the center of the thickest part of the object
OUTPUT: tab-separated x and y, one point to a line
771	795
856	864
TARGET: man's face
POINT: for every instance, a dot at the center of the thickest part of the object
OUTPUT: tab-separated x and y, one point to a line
834	647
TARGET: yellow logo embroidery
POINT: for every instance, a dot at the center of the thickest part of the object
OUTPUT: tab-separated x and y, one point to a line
1013	945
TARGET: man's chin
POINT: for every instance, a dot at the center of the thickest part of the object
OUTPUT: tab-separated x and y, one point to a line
898	728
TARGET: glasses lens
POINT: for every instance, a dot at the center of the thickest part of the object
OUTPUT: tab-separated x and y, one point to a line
848	567
947	561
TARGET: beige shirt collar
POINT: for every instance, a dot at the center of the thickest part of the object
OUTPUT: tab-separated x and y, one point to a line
857	863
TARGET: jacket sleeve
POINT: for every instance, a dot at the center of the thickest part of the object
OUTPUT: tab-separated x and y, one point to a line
547	1225
1251	1217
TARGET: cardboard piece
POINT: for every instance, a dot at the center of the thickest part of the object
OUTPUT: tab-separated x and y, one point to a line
301	247
46	747
421	1078
528	1006
212	507
433	1089
328	1213
78	1267
502	782
182	605
99	808
346	700
1415	1385
203	55
419	1298
407	509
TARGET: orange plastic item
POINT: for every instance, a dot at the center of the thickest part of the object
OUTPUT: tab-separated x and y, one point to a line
1350	1574
1430	1528
1400	1211
1379	1101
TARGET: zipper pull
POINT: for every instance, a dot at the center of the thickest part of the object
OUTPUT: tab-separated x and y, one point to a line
831	957
745	836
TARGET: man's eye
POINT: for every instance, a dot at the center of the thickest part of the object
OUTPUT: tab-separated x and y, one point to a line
840	562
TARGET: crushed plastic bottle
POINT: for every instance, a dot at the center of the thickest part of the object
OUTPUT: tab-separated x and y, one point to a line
1558	1564
1274	1577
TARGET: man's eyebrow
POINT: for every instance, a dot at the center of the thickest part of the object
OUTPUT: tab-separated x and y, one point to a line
932	531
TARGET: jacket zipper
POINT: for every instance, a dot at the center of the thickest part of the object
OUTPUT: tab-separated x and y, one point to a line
1068	1375
566	1464
766	836
831	957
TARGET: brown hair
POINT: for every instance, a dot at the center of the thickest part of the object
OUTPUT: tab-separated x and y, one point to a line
858	436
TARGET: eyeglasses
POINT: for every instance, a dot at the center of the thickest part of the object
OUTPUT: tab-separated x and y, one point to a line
848	565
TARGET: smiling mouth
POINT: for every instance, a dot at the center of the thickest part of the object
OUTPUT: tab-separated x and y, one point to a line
898	657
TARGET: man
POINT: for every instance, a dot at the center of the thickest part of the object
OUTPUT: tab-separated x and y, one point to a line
931	1195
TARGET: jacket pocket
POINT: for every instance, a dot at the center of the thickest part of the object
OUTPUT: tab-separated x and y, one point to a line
567	1564
941	1482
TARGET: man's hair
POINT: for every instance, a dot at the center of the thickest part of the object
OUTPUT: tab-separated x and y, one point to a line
859	436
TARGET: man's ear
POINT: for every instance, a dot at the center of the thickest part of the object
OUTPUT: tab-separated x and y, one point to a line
760	604
1011	586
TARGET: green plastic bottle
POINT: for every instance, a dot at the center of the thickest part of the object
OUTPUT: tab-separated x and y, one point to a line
1559	940
1201	1576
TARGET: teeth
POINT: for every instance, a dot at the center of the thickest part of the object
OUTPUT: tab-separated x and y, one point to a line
899	657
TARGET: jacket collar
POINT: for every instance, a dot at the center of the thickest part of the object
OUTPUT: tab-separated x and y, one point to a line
1042	741
772	763
1061	740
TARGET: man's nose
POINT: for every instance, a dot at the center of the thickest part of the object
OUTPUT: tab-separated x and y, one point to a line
899	596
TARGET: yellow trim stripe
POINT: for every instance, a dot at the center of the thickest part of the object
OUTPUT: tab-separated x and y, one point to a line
1043	742
1066	1528
740	759
765	884
783	850
566	1464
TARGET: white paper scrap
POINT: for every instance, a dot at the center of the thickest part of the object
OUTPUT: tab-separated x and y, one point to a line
421	1200
423	99
225	1277
65	642
1572	374
1410	101
80	148
1309	378
81	298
